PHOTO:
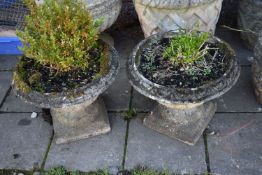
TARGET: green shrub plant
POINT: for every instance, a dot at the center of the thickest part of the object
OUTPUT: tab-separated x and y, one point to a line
189	50
59	35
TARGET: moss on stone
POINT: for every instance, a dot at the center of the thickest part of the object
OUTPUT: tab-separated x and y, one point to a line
20	84
104	60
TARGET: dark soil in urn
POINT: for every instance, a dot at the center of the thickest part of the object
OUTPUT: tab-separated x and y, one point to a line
162	71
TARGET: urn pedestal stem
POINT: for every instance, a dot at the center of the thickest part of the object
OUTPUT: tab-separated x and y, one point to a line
183	122
80	121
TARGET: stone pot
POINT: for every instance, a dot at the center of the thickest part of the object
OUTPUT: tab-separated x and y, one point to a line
79	113
162	15
181	113
106	9
249	18
257	69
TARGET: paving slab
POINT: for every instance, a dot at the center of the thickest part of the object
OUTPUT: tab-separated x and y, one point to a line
100	152
236	148
142	103
15	104
151	149
240	98
118	94
5	82
24	141
125	41
8	62
233	38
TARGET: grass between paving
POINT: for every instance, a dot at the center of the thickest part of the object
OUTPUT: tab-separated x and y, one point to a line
62	171
47	151
6	95
206	152
128	115
11	172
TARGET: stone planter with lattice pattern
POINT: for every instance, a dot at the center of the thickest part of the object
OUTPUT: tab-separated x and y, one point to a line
165	15
108	10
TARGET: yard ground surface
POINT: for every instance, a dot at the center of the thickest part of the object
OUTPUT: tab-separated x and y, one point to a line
232	144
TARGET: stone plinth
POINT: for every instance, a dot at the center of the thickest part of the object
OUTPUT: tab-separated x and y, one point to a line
183	122
80	121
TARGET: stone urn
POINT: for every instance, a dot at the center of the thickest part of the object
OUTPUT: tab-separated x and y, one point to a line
181	113
80	113
257	69
249	18
163	15
108	10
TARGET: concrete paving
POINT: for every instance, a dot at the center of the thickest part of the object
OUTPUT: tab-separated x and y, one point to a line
15	104
118	94
241	97
101	152
5	82
23	141
151	149
8	62
125	41
236	146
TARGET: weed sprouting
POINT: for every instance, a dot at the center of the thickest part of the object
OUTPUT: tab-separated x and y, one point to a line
189	50
131	113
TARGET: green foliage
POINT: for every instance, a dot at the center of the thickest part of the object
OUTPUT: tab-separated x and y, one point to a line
186	48
14	171
62	171
59	34
19	79
131	113
146	171
99	172
56	171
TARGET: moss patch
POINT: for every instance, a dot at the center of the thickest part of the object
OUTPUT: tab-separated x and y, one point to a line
11	172
104	61
20	84
62	171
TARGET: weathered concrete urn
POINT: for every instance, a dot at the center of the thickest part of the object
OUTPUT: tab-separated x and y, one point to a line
162	15
108	10
80	113
249	18
181	113
257	69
